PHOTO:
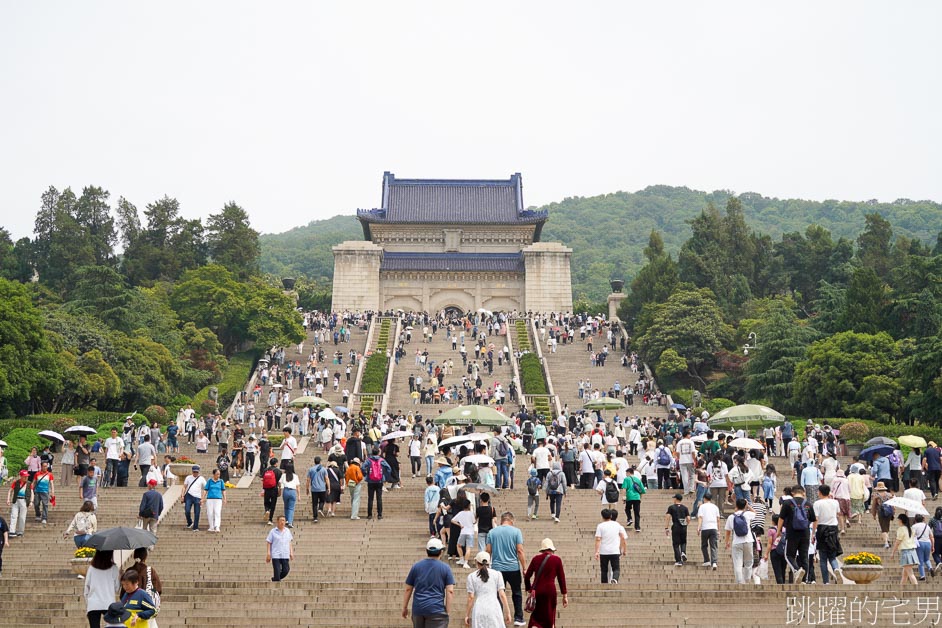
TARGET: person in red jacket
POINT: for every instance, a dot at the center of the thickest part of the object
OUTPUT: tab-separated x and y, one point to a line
546	568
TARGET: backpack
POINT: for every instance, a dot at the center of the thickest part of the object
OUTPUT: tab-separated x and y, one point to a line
552	484
936	527
787	430
502	449
740	525
269	480
611	493
223	464
376	471
886	511
800	516
527	427
532	485
663	457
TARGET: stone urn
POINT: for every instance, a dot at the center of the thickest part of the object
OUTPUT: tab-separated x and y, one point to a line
80	566
862	574
181	470
288	283
617	285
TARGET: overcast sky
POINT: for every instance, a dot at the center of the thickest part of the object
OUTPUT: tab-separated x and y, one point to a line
295	109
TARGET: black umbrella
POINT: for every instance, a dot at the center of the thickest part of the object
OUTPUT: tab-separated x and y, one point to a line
121	539
881	440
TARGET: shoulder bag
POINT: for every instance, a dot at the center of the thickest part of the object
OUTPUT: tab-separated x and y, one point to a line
530	605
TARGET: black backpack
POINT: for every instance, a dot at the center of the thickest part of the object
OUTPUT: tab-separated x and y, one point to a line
611	493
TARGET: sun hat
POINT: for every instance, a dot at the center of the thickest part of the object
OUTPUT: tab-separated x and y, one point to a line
434	545
483	557
442	461
116	613
880	487
547	544
356	460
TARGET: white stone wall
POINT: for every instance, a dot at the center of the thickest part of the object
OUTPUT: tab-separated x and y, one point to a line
356	276
549	279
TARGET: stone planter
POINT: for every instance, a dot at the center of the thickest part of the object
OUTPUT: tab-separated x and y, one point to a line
862	574
181	470
854	449
80	566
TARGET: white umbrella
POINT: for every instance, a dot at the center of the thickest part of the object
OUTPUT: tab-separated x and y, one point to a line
397	434
745	443
327	414
478	459
910	505
699	438
277	385
464	438
52	435
81	429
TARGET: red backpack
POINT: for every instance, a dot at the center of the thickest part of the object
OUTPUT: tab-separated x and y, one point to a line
269	480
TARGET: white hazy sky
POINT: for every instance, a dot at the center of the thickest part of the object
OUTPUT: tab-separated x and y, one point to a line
295	109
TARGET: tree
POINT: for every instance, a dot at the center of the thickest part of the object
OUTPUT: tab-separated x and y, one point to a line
771	368
669	364
93	215
232	241
129	222
873	245
690	323
166	247
921	375
865	300
850	374
654	282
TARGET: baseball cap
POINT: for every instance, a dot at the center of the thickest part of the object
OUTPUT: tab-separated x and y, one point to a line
434	545
24	473
196	467
152	482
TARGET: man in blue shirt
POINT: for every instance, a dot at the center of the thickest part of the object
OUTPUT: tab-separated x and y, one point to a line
505	545
932	463
880	470
432	584
317	483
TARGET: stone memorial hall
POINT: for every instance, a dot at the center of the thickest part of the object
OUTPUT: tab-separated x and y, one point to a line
458	244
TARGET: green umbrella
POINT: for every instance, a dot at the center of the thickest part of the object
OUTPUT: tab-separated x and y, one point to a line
605	403
308	399
472	415
745	413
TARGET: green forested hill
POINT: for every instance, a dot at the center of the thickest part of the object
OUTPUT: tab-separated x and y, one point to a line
608	233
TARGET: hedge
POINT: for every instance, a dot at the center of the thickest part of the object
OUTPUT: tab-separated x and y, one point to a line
376	368
19	441
531	375
234	379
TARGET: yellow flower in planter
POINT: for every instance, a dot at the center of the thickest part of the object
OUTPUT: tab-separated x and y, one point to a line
863	558
85	552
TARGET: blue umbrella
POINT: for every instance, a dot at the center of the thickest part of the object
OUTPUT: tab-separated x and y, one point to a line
342	409
678	406
868	453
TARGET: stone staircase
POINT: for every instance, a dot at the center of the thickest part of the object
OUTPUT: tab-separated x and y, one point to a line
351	572
439	350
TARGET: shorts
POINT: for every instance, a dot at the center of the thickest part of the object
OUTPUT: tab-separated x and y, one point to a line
908	557
467	540
844	505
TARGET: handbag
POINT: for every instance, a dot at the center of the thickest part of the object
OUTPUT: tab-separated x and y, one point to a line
530	604
150	589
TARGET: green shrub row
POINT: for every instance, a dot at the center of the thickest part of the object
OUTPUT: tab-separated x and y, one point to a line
233	380
531	375
376	369
523	337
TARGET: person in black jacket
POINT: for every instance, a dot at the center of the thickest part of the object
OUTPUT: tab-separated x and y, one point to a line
152	505
354	447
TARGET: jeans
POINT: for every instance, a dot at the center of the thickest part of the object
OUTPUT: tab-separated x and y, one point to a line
533	505
429	460
482	540
933	481
708	540
18	516
193	503
924	552
503	473
742	561
214	513
416	462
110	478
280	568
515	580
355	500
688	476
610	560
701	491
290	498
41	505
318	502
555	504
779	567
430	621
741	491
828	559
937	554
664	478
374	490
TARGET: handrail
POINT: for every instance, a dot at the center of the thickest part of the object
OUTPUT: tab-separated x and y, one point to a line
546	374
394	340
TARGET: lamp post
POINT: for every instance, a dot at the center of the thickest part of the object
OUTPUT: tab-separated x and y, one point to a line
755	343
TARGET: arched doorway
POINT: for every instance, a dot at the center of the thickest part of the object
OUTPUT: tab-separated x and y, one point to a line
453	311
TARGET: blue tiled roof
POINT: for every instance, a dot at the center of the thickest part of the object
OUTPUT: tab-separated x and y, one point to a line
459	262
452	201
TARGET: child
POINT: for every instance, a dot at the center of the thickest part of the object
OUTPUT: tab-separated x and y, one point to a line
533	494
465	519
768	485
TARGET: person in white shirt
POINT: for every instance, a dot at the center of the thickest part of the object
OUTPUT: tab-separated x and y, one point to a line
740	541
687	452
288	448
113	448
708	516
611	543
192	497
827	532
586	467
541	460
916	494
621	467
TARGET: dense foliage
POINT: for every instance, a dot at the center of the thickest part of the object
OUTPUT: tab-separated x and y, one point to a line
84	327
608	233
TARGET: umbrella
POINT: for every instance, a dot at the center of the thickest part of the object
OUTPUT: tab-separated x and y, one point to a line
408	327
678	406
397	434
744	413
745	443
479	488
121	539
478	459
909	505
81	430
310	399
881	440
605	403
868	453
472	415
52	435
328	414
3	443
342	409
464	438
699	438
911	440
277	385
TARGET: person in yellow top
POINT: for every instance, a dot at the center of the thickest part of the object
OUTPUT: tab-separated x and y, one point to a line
906	544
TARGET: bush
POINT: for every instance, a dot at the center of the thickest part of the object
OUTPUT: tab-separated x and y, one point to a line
531	375
233	381
374	374
715	405
19	442
855	432
684	396
208	406
156	414
62	424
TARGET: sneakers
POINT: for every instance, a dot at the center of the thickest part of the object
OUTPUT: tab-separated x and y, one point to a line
800	574
466	565
556	519
268	522
714	566
354	518
520	622
613	581
706	564
683	557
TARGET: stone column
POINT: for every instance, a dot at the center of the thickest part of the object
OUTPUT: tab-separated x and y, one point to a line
615	298
356	276
548	277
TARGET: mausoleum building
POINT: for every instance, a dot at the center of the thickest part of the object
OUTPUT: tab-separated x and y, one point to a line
436	244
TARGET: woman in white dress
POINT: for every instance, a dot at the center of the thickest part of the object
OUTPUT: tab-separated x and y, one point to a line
486	597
